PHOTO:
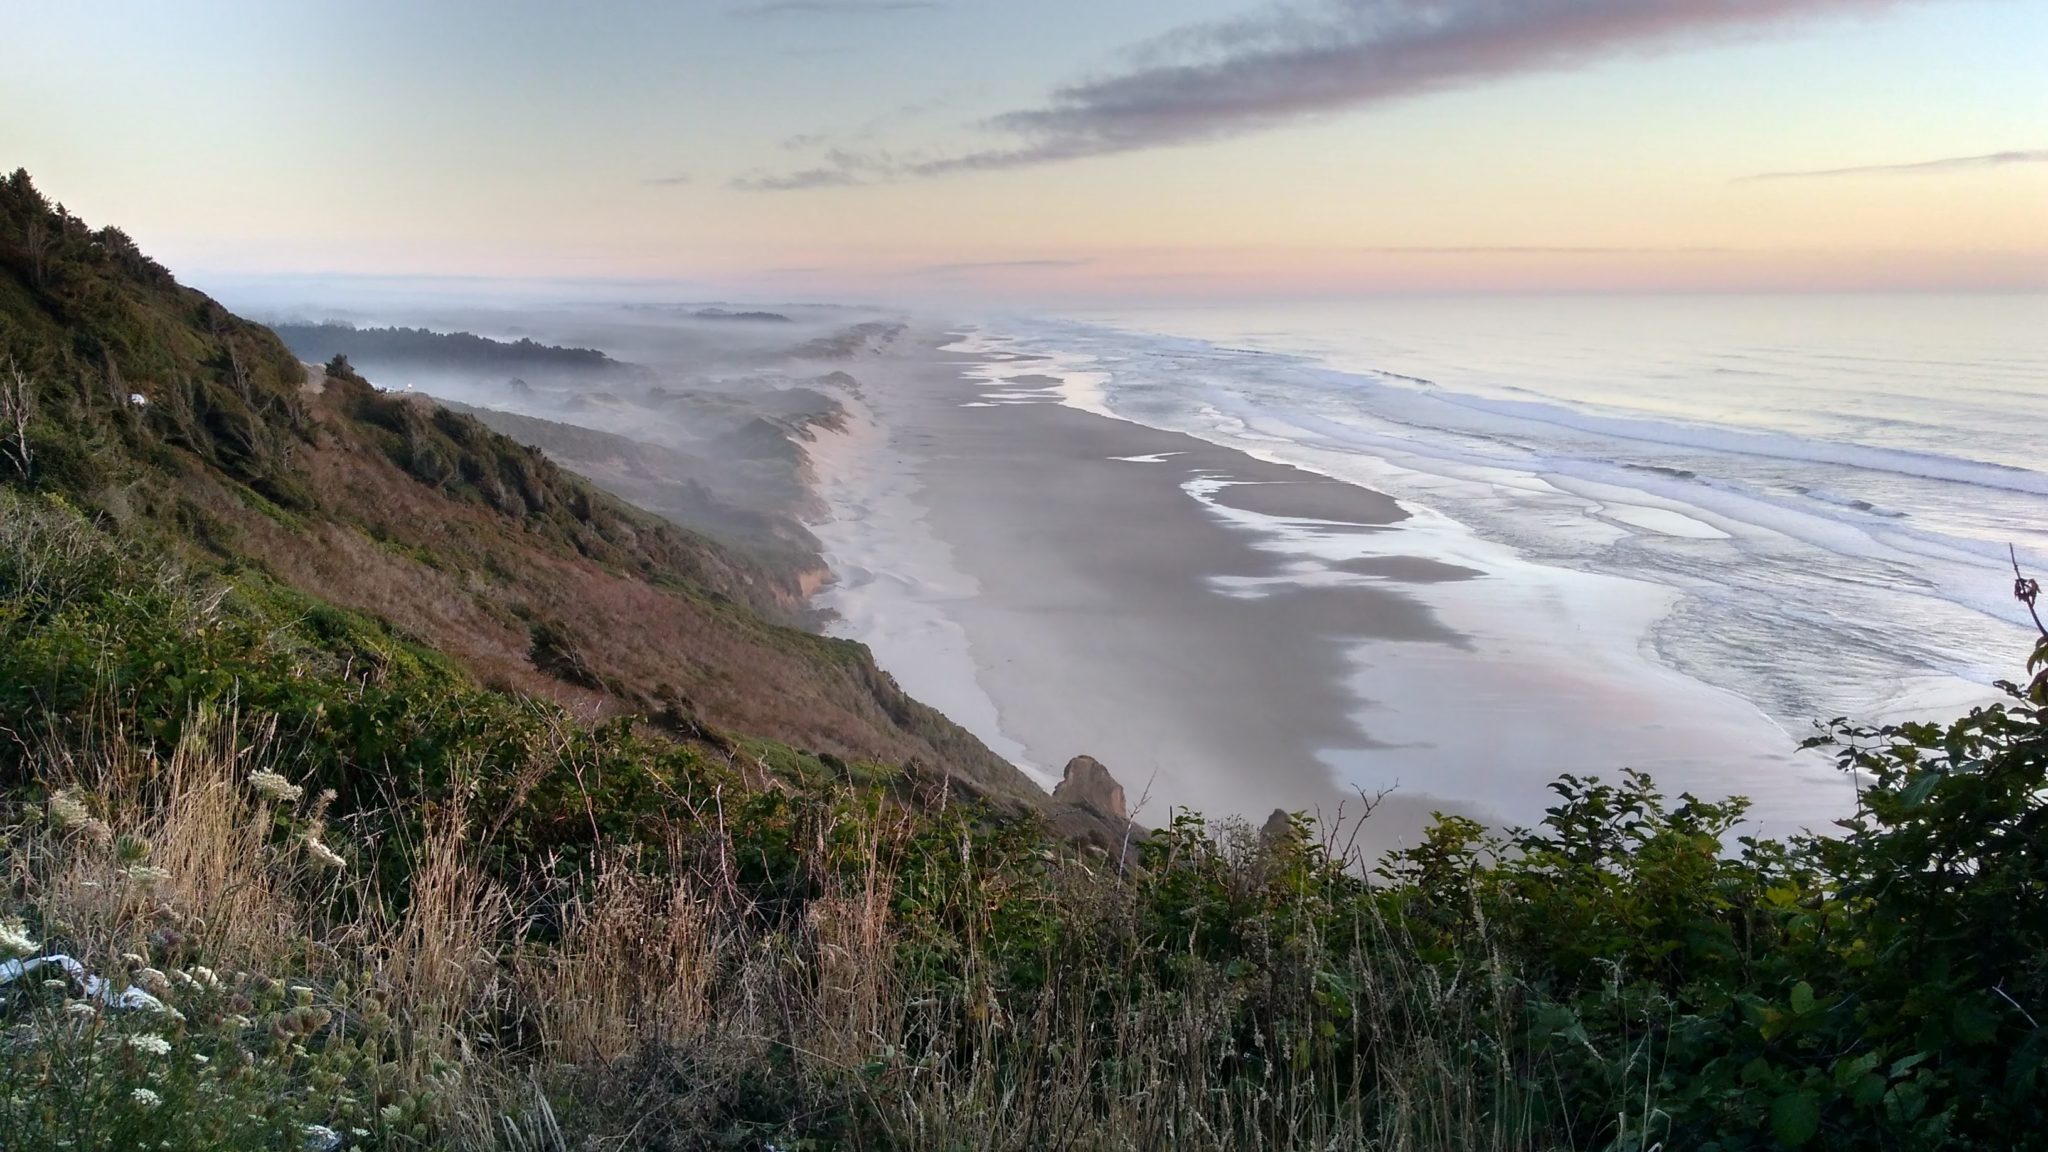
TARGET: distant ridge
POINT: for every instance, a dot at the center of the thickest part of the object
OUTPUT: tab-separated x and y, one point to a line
372	348
754	317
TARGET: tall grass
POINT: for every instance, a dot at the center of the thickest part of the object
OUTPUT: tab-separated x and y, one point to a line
381	906
640	1003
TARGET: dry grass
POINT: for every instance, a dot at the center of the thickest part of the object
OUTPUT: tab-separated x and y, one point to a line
636	1006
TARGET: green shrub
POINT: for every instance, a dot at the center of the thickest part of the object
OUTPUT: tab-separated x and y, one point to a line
601	933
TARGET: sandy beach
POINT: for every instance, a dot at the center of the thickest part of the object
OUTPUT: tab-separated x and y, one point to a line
1235	635
1048	580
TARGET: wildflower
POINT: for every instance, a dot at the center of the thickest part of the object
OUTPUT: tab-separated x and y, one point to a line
14	938
272	786
151	1043
67	810
321	1138
57	985
323	855
201	1059
80	1008
145	1098
391	1113
240	1021
151	981
359	1133
147	874
206	976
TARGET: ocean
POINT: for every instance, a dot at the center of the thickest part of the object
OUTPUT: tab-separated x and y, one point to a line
1802	503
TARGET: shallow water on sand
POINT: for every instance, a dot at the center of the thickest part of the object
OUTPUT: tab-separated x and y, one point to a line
1822	489
1233	634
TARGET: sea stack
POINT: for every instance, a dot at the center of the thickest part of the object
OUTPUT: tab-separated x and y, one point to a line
1088	784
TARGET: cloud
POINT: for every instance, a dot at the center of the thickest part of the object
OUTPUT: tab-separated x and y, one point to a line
839	168
1917	167
776	8
1304	58
995	266
828	177
675	181
1528	250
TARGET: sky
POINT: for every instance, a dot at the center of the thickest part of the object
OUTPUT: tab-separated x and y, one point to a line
1054	150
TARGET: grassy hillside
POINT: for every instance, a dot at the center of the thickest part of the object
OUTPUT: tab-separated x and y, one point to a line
148	403
319	881
739	490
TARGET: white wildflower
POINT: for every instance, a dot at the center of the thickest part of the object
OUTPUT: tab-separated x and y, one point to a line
391	1113
152	981
132	960
57	985
151	1043
206	976
324	856
275	787
81	1008
360	1133
145	1098
321	1138
14	938
147	874
67	810
241	1021
201	1059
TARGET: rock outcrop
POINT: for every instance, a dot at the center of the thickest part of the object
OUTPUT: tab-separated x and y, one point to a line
1279	826
1087	784
1089	806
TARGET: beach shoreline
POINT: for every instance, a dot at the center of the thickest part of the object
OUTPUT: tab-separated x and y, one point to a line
1230	635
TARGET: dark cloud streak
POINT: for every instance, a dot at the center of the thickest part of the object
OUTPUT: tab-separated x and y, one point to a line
1305	58
1917	167
798	181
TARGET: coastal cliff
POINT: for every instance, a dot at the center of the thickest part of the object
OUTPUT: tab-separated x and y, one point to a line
183	425
370	781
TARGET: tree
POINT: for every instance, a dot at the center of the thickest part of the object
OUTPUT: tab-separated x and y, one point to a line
17	410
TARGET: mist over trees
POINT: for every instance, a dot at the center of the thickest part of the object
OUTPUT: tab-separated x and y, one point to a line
447	351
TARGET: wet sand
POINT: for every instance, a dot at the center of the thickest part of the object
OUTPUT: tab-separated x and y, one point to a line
1107	611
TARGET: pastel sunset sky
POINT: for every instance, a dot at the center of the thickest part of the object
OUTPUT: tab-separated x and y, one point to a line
1056	149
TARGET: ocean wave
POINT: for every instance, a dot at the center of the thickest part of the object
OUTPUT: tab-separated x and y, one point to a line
1856	567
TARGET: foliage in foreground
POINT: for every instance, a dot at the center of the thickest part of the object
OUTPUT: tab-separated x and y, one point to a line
385	908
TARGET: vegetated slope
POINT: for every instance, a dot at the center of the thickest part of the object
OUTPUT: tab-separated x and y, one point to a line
508	928
732	494
148	402
504	928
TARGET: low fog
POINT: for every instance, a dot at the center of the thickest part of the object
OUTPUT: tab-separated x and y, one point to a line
692	410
